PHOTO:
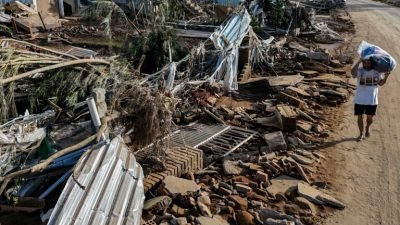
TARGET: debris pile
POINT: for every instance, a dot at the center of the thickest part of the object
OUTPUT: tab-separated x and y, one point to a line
225	131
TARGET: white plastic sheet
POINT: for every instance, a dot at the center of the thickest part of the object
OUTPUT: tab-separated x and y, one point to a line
230	78
227	40
22	141
171	76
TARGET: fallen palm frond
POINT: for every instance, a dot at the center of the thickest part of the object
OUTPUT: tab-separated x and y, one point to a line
49	68
47	73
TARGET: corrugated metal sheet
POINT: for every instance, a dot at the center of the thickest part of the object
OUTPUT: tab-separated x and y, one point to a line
107	190
233	32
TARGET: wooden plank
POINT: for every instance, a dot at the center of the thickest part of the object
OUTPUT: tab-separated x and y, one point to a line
291	100
328	77
308	73
298	91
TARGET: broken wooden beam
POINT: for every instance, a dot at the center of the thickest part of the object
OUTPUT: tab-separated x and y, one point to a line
291	100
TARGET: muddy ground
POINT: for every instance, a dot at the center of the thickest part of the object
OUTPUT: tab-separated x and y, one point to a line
366	175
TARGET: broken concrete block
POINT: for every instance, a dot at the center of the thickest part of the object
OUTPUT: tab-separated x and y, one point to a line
225	185
318	197
331	201
240	203
309	193
204	199
273	120
225	191
280	197
304	126
157	204
231	168
176	185
275	141
266	214
256	203
305	204
283	184
254	196
261	177
318	128
271	221
205	211
241	188
216	220
180	221
285	81
289	117
244	218
178	211
315	94
301	159
293	209
268	156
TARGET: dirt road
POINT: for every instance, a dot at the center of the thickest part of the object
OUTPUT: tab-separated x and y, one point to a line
366	175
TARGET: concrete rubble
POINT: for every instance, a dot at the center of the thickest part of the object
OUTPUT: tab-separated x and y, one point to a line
199	113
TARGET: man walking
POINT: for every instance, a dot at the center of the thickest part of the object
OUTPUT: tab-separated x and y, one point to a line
366	98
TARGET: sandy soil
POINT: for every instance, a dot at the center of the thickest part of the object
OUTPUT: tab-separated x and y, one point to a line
366	175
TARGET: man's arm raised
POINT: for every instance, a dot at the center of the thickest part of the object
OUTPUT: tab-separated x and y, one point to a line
354	69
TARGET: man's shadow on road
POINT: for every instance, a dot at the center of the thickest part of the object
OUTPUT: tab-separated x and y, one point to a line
336	142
